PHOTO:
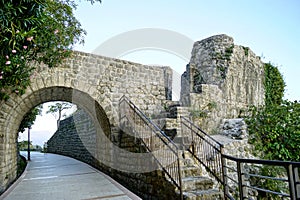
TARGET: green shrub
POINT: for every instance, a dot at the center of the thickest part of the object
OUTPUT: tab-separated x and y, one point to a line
274	131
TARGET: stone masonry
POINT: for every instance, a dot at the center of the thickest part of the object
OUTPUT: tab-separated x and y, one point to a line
221	80
76	137
93	82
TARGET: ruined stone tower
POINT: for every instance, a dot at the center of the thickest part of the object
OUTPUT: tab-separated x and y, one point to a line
220	81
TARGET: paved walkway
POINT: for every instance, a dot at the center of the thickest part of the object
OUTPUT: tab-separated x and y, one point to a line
50	176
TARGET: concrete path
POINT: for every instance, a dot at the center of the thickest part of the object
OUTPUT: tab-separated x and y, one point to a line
50	176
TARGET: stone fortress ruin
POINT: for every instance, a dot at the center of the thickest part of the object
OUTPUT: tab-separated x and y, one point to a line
221	80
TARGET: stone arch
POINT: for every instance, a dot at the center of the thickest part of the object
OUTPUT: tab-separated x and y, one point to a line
96	83
13	111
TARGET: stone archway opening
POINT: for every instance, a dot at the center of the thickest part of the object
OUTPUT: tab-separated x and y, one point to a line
12	115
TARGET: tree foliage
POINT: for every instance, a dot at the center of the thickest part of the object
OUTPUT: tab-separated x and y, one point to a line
274	129
57	110
41	31
29	118
24	145
274	85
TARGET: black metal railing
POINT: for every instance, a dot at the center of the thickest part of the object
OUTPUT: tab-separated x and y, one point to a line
269	179
240	178
204	148
164	151
243	178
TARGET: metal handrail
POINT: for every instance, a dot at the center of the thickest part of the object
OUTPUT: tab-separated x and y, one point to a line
264	162
291	170
209	152
200	130
199	139
173	170
205	149
146	119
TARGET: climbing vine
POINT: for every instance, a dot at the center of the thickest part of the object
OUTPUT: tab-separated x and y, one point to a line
274	86
274	129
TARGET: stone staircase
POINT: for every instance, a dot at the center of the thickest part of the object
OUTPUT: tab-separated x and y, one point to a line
195	185
169	122
195	182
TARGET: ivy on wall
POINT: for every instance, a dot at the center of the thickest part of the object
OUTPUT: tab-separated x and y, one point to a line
274	129
274	85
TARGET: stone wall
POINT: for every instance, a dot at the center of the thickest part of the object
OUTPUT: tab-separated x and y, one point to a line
93	82
67	141
77	138
234	137
148	86
220	81
228	76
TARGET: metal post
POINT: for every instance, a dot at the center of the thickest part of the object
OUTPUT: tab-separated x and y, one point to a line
291	182
179	175
224	174
240	179
28	147
297	181
193	143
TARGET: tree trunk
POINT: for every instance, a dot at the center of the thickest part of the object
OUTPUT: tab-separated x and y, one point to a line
58	120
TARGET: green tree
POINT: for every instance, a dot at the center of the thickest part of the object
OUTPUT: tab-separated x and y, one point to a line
43	31
29	118
23	145
57	110
274	131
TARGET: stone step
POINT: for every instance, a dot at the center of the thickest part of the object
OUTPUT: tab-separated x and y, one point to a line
173	103
176	111
190	171
210	194
171	123
187	162
196	183
160	122
183	141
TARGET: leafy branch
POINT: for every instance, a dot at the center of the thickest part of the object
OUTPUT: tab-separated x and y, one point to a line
42	31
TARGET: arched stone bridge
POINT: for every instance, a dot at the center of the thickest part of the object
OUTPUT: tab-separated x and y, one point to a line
92	82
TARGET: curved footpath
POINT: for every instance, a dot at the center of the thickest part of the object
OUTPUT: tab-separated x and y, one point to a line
51	176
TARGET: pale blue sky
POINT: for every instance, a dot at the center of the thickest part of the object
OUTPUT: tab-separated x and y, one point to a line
269	27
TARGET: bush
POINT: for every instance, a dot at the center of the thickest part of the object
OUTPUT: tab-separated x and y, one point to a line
274	131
